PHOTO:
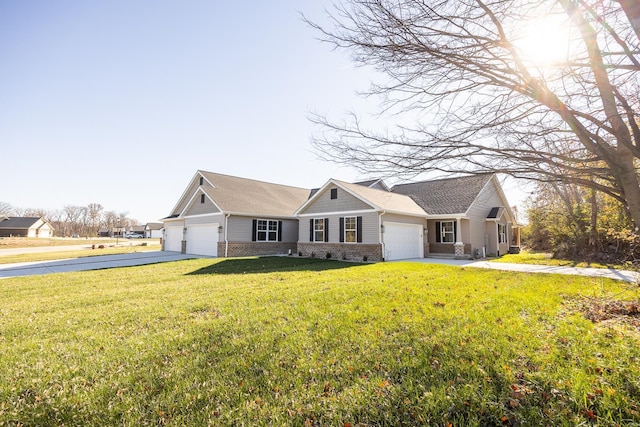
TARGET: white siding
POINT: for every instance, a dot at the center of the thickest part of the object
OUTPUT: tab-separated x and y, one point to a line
241	229
343	203
477	213
205	219
198	208
370	226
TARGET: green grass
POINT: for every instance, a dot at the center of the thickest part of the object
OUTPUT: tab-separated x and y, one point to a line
290	341
48	256
540	258
31	242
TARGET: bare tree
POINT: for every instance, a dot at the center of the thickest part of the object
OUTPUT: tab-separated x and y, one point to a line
73	214
461	95
5	209
94	211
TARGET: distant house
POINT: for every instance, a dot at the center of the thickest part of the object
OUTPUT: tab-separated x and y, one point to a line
153	230
104	232
15	226
138	230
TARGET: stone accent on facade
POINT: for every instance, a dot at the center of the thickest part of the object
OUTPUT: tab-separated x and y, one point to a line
458	249
241	249
448	248
342	251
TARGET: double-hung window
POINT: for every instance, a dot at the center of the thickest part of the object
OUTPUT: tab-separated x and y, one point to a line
448	232
445	231
266	230
502	233
319	230
350	229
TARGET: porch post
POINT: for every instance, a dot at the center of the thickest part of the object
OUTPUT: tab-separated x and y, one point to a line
459	245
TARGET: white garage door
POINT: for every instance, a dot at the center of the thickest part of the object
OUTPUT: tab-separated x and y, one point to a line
173	238
202	239
402	241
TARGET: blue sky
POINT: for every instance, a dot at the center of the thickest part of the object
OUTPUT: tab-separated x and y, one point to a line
119	102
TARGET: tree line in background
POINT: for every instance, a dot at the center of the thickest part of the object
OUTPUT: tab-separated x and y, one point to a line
82	221
580	223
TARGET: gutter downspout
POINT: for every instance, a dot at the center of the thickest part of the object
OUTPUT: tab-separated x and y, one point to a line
226	235
382	246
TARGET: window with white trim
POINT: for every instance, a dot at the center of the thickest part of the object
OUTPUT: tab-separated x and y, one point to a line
318	230
350	229
447	232
266	230
502	233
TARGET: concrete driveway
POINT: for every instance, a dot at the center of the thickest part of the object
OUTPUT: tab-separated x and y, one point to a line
89	263
609	273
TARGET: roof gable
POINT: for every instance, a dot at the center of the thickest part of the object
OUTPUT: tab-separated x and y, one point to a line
445	196
374	198
246	196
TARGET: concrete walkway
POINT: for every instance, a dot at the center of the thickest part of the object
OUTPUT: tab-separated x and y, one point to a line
89	263
609	273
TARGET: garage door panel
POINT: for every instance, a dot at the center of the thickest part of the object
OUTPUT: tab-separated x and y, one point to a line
403	241
173	238
202	239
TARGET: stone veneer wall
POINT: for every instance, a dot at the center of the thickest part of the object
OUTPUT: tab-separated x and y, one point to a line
341	251
239	249
447	248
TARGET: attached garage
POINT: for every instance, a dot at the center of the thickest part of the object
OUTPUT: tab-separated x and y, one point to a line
202	239
173	238
403	241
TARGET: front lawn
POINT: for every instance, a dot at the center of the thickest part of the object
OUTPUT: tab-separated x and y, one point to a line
97	251
291	341
541	258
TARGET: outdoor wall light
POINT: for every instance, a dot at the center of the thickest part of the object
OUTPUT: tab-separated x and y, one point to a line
219	229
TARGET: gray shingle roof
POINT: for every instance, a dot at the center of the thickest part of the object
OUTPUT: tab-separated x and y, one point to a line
384	200
445	196
242	195
18	222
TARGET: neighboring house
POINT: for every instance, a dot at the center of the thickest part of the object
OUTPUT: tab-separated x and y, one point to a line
221	215
25	227
153	230
138	230
466	216
354	221
227	216
104	232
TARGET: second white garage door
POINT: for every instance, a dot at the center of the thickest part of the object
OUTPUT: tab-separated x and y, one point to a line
403	241
202	239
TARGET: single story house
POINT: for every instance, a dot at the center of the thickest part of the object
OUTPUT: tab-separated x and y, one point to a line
153	230
221	215
25	227
227	216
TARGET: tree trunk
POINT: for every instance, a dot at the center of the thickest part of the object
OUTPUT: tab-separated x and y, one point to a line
593	232
629	183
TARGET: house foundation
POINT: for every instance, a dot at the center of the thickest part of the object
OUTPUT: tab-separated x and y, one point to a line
341	251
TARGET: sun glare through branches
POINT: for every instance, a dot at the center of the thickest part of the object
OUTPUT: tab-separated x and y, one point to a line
543	43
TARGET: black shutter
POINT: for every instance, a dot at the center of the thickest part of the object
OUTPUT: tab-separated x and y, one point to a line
311	230
254	231
455	231
326	229
279	231
438	232
359	228
341	229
